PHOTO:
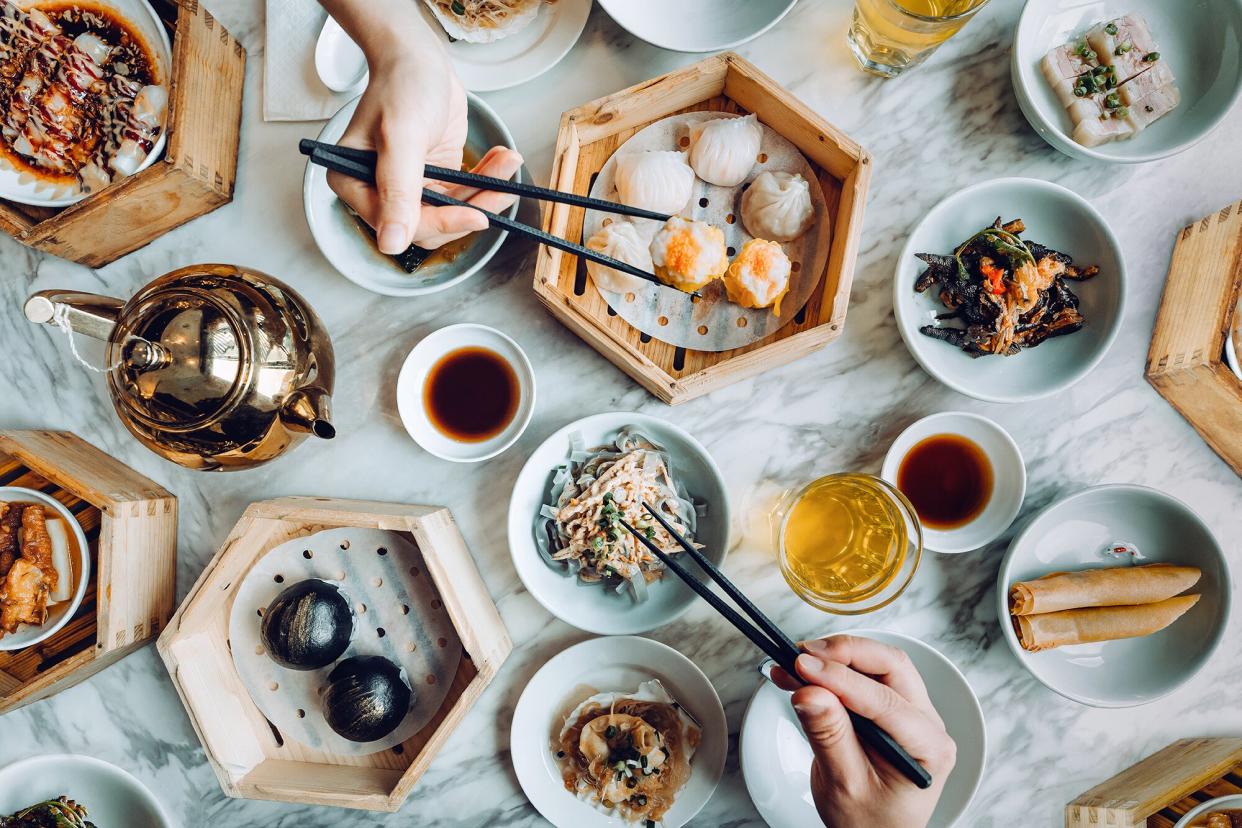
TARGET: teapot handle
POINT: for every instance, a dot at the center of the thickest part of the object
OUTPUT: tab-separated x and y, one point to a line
87	313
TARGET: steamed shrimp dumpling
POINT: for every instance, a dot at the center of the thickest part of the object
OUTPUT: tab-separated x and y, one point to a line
777	206
656	180
759	276
723	151
688	254
624	241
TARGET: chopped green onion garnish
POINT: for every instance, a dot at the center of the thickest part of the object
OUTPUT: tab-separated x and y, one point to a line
1122	111
1151	57
1111	28
1112	101
610	732
1123	48
458	8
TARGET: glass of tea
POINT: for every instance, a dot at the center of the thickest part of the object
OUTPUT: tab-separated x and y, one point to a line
890	36
848	543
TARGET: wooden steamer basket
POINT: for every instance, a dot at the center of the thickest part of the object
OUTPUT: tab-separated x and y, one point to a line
195	175
590	134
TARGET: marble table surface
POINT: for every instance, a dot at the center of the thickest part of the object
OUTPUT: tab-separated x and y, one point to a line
951	123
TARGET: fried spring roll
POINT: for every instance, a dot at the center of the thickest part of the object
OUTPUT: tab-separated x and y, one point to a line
1115	587
1083	626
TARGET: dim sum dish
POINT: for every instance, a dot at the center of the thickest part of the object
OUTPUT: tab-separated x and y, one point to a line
1220	812
66	791
61	812
83	96
484	21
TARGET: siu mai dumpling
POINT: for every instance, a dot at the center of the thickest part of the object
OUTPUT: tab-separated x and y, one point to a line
777	206
656	180
724	150
624	241
759	276
688	254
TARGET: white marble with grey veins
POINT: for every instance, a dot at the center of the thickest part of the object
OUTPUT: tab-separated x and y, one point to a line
951	123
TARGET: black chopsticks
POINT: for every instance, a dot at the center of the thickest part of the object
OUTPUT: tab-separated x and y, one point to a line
769	638
360	164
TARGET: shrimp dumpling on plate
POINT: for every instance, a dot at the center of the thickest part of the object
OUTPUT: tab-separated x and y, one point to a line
759	276
777	206
724	150
656	180
688	254
624	241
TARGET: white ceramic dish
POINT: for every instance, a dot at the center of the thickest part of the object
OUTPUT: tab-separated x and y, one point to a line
1231	348
776	759
1217	804
58	614
140	15
351	251
110	795
413	377
1071	534
594	607
1054	216
1194	36
697	25
487	67
341	65
1008	477
618	663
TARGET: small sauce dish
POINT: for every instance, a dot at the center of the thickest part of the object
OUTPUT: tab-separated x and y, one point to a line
340	63
466	393
964	475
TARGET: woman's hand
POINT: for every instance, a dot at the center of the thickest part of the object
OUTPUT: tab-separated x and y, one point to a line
852	785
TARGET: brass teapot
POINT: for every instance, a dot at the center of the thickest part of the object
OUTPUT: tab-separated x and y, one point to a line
212	366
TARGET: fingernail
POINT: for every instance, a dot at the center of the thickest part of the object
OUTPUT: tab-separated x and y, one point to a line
816	645
810	663
392	239
809	708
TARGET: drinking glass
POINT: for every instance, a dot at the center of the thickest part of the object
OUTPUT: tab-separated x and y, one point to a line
890	36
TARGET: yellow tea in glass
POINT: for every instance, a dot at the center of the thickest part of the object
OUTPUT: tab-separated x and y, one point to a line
889	36
848	543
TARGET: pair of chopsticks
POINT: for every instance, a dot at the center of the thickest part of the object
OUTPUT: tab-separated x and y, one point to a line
360	164
772	640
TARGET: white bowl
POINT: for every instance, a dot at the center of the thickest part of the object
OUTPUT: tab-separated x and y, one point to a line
594	607
1220	802
58	614
1054	216
339	62
1008	477
1193	37
776	758
697	25
1070	535
352	252
618	663
413	377
110	795
139	14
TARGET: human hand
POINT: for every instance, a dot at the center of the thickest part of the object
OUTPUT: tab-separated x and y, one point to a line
851	784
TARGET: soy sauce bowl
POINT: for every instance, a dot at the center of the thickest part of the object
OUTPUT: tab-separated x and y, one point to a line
416	372
1008	478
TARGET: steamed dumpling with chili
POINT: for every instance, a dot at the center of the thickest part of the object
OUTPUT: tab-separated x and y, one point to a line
777	206
656	180
621	240
724	150
759	276
688	254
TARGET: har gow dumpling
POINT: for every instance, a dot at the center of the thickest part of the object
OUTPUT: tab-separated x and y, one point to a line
723	151
777	206
688	254
624	241
656	180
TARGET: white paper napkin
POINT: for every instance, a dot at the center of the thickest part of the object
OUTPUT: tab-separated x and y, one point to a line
292	90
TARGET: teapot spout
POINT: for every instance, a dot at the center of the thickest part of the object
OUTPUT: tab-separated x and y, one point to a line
309	410
87	313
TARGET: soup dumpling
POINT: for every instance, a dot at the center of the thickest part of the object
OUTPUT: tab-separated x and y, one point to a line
688	254
656	180
723	151
624	241
759	276
777	206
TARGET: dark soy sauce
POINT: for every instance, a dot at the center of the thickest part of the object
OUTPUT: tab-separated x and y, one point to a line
471	394
948	480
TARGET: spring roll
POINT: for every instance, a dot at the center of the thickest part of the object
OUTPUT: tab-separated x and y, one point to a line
1083	626
1116	587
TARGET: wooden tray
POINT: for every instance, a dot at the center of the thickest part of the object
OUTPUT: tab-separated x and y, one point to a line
1158	791
131	529
590	134
251	758
194	177
1186	361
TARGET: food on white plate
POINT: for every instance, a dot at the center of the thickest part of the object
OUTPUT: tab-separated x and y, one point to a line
579	530
724	150
759	276
483	21
61	812
366	698
1089	625
1112	81
1008	293
656	180
777	206
688	254
624	241
1228	818
36	565
628	754
307	626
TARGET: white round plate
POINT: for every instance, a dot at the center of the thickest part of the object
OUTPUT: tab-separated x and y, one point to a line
776	758
1194	36
1071	534
487	67
1054	216
140	15
57	614
110	795
353	253
413	377
697	25
1008	477
611	664
1217	804
594	607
